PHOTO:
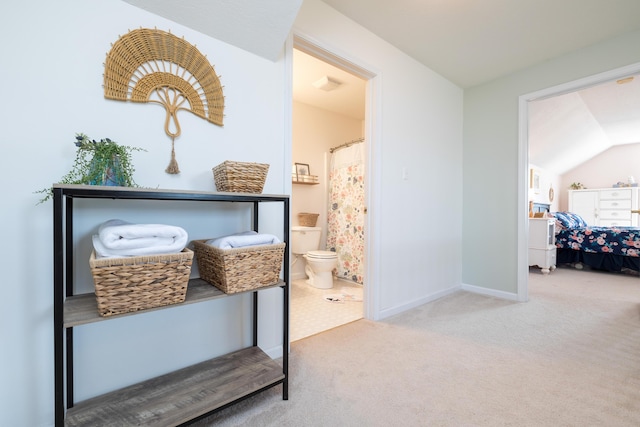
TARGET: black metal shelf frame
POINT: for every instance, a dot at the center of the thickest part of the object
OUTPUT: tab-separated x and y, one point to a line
63	197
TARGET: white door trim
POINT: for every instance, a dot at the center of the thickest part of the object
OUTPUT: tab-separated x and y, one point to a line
372	132
523	158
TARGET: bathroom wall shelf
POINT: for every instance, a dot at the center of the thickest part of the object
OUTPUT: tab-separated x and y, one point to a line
175	398
305	179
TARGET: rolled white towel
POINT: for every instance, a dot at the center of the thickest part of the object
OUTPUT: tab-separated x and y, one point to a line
117	238
240	240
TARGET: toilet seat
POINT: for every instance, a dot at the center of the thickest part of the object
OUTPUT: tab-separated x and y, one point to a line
322	255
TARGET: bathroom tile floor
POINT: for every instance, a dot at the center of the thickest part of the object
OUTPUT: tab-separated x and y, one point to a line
311	313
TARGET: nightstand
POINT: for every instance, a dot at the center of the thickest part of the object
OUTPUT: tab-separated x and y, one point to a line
542	243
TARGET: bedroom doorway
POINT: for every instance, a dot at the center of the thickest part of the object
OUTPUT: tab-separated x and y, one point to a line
322	121
524	176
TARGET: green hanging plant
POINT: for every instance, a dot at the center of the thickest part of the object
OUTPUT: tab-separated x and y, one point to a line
103	162
577	186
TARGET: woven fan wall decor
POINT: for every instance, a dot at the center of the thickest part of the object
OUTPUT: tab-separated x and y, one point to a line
155	66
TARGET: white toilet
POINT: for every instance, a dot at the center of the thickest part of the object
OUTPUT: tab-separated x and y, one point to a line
305	242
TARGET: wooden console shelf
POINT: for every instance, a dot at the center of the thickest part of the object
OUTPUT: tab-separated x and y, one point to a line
175	398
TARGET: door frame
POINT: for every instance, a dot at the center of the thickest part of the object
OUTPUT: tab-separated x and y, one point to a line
523	158
353	65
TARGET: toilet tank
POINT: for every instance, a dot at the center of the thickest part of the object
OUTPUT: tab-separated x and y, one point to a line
305	239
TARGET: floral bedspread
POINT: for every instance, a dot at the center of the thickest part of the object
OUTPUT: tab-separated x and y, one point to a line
616	240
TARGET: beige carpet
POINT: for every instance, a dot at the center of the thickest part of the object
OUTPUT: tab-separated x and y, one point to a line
568	357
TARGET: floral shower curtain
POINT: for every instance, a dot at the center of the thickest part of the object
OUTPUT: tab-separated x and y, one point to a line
345	229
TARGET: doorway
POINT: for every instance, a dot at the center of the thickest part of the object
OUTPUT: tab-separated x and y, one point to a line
524	161
329	113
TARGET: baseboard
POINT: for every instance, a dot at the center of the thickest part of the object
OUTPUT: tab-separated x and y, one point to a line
490	292
416	303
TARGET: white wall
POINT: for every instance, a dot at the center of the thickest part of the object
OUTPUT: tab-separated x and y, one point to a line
315	131
490	251
417	122
613	165
52	71
547	181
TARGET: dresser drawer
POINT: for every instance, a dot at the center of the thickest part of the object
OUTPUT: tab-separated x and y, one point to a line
615	214
615	204
615	223
615	194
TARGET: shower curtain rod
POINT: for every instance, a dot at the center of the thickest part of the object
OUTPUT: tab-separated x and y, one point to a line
346	144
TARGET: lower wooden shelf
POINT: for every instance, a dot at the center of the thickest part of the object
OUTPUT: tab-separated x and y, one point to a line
182	395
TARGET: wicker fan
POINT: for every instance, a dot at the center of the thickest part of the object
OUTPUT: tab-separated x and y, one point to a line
155	66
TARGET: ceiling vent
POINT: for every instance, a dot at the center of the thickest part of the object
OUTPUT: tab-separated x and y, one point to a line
327	84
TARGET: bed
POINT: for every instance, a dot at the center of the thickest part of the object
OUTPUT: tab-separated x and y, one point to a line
601	248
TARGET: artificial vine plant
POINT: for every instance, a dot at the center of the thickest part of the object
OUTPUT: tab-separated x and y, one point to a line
103	162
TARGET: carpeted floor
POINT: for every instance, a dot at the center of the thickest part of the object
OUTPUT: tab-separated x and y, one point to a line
568	357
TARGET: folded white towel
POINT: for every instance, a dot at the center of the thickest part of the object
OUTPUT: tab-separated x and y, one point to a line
240	240
117	238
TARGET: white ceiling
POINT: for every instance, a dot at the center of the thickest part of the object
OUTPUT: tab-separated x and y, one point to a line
469	42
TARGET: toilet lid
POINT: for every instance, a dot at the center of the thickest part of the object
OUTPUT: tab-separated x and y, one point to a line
322	254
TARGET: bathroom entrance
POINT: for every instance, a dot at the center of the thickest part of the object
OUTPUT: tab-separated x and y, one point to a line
328	170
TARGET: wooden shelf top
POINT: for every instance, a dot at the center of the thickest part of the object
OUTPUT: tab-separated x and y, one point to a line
109	192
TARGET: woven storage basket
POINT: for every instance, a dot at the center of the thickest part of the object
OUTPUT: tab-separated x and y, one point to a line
137	283
239	269
308	219
239	177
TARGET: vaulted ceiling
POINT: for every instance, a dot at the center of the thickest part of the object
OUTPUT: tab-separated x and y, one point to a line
257	26
567	130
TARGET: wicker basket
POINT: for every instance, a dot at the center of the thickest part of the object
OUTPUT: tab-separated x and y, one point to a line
307	219
137	283
239	269
238	177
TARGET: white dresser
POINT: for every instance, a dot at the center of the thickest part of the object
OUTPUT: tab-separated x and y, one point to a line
606	207
542	243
